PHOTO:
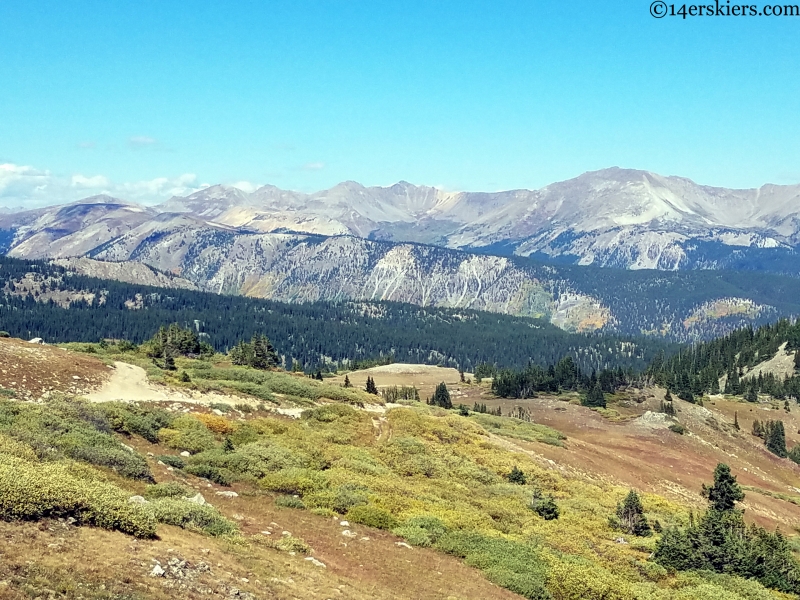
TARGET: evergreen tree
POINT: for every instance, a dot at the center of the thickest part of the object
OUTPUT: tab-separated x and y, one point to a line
545	507
775	439
725	493
264	354
596	397
441	397
370	387
758	429
722	542
517	476
347	383
751	395
630	516
786	406
736	420
797	359
667	396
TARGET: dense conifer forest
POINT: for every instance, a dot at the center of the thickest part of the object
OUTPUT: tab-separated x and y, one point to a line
730	364
319	335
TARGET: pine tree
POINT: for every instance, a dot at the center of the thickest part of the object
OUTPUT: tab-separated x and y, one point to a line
595	397
786	406
545	507
736	420
797	359
775	439
758	429
517	476
461	374
264	354
441	397
751	395
371	388
667	397
347	383
630	514
725	493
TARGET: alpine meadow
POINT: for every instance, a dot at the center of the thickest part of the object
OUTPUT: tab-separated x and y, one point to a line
348	300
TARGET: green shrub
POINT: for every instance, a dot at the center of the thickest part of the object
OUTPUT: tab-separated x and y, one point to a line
32	491
214	474
167	490
131	419
677	428
371	516
126	463
191	516
294	481
289	502
73	429
172	460
509	564
421	531
221	407
416	536
189	434
292	544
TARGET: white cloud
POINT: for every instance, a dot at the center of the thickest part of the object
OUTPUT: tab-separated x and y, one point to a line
142	141
314	166
28	187
246	186
98	181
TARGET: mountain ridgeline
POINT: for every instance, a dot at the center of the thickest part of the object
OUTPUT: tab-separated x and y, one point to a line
40	299
419	245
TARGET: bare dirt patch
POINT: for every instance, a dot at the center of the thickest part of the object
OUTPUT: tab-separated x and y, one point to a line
32	370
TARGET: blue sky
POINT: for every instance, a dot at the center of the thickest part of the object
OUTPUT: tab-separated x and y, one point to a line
147	99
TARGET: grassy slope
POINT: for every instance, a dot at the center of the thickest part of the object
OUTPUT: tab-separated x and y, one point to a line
433	476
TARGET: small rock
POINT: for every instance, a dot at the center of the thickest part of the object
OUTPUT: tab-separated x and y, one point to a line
344	524
137	500
620	540
185	453
402	545
197	499
228	494
128	448
157	571
315	562
217	412
245	580
348	533
364	539
266	533
286	533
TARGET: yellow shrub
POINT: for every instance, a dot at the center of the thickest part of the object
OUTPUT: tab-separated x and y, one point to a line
215	423
31	491
12	447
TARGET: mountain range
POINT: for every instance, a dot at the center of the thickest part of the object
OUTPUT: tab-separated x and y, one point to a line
613	217
427	246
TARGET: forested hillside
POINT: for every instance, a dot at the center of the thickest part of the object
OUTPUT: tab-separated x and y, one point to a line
736	364
43	300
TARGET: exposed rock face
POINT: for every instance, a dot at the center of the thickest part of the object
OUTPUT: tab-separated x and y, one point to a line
613	217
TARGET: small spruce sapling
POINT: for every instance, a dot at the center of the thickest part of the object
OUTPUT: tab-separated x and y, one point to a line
517	476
